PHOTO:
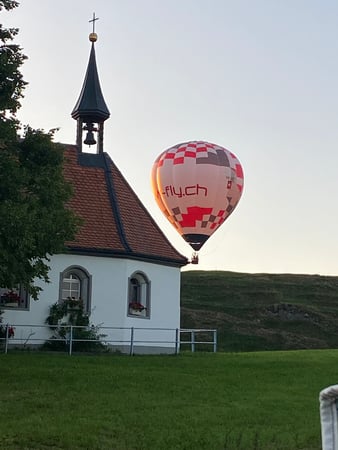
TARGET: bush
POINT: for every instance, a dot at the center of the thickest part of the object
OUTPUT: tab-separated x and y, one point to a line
71	313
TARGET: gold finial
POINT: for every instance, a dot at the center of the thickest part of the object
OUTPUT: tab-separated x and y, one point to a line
93	35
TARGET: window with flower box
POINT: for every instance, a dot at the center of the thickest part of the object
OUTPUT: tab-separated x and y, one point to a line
139	295
75	284
14	298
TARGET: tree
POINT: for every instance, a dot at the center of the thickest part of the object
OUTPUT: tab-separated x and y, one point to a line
34	219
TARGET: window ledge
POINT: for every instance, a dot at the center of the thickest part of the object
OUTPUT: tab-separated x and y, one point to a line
14	308
138	316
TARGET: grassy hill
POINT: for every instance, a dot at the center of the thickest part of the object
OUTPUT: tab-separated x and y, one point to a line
262	311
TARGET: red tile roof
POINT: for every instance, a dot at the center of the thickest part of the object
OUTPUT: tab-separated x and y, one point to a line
115	222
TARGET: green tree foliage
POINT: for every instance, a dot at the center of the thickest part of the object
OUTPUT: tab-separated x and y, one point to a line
11	58
34	220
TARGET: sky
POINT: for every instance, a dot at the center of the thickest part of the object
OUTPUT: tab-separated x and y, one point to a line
258	77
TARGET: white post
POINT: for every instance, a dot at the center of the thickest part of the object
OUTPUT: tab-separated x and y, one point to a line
215	341
6	342
177	338
131	341
328	417
192	340
71	340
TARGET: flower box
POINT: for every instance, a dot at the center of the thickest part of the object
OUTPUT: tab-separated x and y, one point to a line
11	299
137	309
137	312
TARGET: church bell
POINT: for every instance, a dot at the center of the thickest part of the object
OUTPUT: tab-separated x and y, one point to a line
90	140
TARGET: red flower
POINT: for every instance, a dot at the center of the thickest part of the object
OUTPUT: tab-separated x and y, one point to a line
11	332
11	297
137	306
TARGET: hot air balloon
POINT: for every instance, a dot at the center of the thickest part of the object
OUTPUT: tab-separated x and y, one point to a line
197	185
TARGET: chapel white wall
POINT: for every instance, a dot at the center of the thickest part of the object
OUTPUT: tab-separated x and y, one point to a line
109	299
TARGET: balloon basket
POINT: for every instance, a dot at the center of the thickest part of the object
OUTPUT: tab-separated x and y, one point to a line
194	258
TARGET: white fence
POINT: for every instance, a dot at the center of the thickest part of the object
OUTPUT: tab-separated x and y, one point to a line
129	340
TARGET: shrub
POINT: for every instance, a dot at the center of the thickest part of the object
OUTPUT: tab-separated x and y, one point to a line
62	316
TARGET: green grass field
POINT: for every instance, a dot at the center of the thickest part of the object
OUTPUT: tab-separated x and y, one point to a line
264	400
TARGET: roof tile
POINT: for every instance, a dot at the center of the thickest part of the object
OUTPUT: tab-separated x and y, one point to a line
115	222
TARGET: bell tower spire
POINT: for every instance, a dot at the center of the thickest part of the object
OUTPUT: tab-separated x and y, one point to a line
91	110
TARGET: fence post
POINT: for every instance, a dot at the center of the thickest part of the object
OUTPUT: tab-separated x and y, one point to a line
131	341
215	341
71	340
192	340
6	341
177	341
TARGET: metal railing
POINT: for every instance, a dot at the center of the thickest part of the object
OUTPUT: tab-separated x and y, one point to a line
130	338
194	334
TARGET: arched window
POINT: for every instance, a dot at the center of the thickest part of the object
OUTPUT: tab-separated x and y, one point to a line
71	287
139	295
75	283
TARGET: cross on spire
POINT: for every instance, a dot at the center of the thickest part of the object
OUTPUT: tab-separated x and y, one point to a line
94	19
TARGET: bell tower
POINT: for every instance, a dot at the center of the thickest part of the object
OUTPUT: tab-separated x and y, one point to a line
91	110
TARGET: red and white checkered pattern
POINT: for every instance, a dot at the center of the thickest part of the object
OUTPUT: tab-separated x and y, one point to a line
197	185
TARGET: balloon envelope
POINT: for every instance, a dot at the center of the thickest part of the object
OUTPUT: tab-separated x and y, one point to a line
197	185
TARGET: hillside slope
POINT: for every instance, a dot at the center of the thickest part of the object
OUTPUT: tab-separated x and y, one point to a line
262	311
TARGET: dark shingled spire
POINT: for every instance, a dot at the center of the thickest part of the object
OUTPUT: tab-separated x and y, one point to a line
91	105
91	108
